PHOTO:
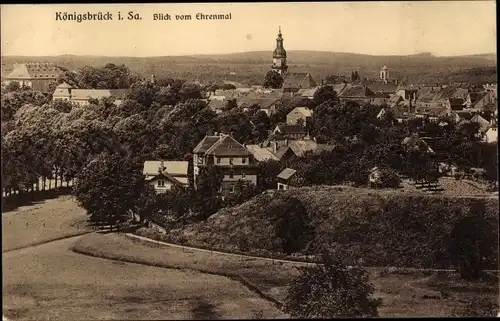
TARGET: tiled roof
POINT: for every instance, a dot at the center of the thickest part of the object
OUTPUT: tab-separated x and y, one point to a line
34	70
381	87
484	124
264	103
205	144
287	173
83	94
394	100
301	146
308	92
261	154
223	145
338	88
357	91
457	103
296	80
290	129
175	171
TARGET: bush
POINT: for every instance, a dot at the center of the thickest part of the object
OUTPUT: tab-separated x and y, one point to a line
479	308
331	290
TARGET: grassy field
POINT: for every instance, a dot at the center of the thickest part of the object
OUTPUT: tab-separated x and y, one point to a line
45	221
404	294
50	282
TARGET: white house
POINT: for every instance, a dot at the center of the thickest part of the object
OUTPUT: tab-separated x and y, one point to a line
163	175
81	97
491	135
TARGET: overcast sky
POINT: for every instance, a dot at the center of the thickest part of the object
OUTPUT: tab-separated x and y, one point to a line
386	28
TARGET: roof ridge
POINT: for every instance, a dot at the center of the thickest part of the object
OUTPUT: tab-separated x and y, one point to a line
217	143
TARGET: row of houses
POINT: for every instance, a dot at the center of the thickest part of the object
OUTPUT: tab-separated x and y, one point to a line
237	162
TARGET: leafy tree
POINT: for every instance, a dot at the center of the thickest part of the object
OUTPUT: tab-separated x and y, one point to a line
331	290
109	188
472	241
242	193
208	187
324	94
273	80
294	228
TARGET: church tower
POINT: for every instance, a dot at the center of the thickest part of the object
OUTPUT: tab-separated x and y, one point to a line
279	56
384	74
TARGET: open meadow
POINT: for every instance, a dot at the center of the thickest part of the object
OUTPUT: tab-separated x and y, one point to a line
50	282
405	292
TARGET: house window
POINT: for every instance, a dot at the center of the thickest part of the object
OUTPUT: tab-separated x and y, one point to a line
231	174
243	160
161	183
231	161
218	159
243	175
231	189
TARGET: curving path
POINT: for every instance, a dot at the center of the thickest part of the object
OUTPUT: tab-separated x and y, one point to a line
50	282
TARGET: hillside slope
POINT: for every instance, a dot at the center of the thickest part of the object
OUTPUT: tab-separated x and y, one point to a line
380	227
252	66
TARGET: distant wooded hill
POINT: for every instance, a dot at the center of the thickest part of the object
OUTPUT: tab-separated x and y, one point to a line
250	67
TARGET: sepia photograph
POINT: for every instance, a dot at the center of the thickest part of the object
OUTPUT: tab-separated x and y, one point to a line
187	161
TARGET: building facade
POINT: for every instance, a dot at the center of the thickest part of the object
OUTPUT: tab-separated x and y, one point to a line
36	75
232	158
163	175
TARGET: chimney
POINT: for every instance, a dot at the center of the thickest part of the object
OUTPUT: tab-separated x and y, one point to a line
286	142
274	147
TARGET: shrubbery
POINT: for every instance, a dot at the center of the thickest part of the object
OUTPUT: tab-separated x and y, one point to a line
379	228
331	290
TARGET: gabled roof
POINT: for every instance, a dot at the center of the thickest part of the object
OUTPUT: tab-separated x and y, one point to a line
264	103
181	181
290	129
484	124
34	70
64	85
224	145
205	144
261	154
175	168
84	94
380	87
456	103
357	91
296	80
308	92
287	173
303	110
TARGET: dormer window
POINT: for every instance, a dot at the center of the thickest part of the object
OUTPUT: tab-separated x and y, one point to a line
161	183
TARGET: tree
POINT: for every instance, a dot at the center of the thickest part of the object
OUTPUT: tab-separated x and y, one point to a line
208	187
109	187
331	290
472	239
273	80
294	228
324	94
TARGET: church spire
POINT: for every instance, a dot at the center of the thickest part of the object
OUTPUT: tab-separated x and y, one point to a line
279	55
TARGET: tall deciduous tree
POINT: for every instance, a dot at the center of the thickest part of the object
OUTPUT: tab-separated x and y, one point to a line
273	80
109	188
